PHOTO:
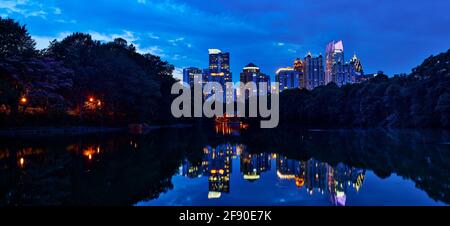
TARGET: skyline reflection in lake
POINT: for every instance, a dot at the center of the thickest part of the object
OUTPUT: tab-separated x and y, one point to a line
312	175
191	166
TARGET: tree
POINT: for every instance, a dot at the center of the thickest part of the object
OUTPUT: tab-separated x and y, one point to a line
443	108
15	41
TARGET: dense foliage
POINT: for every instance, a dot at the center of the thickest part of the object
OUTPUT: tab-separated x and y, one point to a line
15	41
80	80
421	99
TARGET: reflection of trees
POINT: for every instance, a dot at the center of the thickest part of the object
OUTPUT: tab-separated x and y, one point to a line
121	175
416	155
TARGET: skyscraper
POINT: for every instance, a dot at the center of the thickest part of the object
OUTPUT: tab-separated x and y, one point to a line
334	54
219	71
298	66
314	73
343	74
219	66
288	78
192	75
356	62
252	73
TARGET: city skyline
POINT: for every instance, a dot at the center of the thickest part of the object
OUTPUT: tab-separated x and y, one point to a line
181	33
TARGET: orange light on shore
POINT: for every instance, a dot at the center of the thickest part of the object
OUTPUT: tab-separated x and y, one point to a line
23	100
22	162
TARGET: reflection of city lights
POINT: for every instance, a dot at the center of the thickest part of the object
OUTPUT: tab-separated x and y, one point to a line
299	182
251	177
214	195
285	176
90	152
317	177
23	100
22	162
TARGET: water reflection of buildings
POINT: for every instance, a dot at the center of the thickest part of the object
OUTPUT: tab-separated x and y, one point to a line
252	165
321	177
217	166
315	176
230	128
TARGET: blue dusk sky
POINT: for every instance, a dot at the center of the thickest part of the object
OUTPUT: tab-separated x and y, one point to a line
393	36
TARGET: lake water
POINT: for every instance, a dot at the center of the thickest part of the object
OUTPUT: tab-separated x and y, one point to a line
227	166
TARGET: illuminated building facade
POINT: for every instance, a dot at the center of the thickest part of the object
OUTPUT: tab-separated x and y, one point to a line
343	74
334	54
219	71
288	78
356	62
314	72
298	66
252	73
193	75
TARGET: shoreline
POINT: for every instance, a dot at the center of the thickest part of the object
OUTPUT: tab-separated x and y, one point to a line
55	130
72	130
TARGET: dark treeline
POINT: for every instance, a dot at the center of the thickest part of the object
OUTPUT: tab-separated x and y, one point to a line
79	80
418	100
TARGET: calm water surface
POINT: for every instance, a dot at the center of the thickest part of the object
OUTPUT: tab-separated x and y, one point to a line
229	166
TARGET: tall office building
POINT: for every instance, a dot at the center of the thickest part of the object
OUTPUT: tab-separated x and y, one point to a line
192	75
334	54
314	72
219	66
219	71
343	74
298	66
288	78
252	73
356	62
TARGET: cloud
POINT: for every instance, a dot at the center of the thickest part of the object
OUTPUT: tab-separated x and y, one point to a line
154	50
178	73
105	37
66	21
176	41
153	36
57	11
26	8
43	42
